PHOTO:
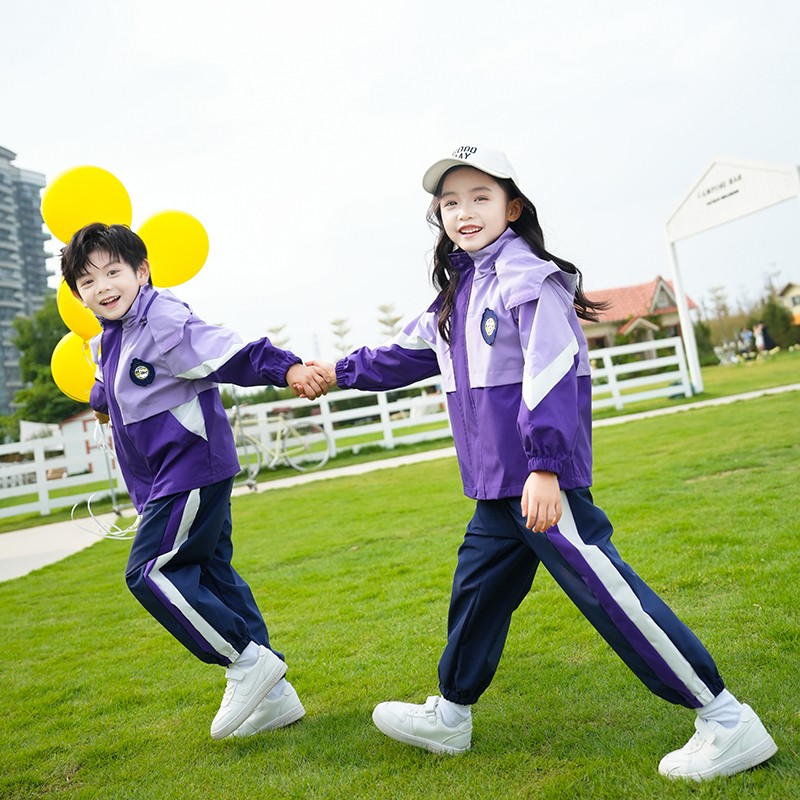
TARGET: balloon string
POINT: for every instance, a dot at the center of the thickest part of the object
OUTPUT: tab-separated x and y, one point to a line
86	351
101	439
104	531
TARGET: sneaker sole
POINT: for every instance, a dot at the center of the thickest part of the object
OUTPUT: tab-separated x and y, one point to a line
764	750
278	671
415	741
291	716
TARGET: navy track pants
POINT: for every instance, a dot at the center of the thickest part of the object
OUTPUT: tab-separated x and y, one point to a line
180	570
496	565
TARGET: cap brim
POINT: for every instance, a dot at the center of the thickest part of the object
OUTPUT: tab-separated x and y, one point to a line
432	176
434	173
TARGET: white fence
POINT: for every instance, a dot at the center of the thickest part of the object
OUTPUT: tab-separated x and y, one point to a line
661	372
46	474
354	420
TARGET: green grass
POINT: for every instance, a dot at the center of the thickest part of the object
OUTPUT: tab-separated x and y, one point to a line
779	370
353	576
359	441
55	493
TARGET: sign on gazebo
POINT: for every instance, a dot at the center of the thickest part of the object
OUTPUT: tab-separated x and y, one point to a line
731	189
727	190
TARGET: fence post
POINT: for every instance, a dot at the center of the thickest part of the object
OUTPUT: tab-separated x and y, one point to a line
684	368
613	385
327	425
41	477
386	422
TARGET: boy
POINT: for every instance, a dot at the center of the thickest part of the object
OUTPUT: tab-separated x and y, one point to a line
158	369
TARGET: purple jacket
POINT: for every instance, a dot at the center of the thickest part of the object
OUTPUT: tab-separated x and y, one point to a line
516	372
157	375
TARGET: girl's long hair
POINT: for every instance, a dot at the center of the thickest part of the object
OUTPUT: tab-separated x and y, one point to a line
445	278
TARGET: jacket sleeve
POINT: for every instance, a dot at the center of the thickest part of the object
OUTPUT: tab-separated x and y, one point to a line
406	359
211	352
97	397
548	419
256	364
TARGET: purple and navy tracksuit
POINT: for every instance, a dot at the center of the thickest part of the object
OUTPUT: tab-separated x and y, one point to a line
157	375
518	384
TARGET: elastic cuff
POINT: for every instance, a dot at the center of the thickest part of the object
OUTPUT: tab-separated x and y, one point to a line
546	465
341	373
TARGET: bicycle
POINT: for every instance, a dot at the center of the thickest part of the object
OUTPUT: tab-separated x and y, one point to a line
301	443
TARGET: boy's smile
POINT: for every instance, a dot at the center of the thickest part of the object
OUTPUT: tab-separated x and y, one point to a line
109	286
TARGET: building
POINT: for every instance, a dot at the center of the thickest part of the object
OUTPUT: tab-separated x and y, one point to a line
23	264
789	296
640	313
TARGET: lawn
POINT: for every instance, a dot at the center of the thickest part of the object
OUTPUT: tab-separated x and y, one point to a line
780	370
353	575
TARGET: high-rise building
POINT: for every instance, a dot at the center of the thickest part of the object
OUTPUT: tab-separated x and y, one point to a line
23	264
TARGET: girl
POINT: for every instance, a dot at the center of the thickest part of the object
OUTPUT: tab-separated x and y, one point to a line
504	333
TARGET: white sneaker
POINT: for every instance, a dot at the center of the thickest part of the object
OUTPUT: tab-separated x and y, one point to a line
245	690
715	750
272	714
423	726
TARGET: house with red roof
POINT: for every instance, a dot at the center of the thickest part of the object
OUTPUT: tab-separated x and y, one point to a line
790	297
641	313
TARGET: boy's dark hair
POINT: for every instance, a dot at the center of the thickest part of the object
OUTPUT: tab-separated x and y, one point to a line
445	278
118	241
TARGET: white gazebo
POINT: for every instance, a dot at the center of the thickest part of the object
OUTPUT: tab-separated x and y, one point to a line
727	190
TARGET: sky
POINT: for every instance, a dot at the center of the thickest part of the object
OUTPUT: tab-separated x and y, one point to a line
298	133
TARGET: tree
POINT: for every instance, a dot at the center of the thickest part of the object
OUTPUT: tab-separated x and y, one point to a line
341	327
389	321
36	337
778	320
276	336
722	327
705	346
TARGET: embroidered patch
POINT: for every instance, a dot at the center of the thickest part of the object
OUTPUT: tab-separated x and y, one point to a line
141	372
489	326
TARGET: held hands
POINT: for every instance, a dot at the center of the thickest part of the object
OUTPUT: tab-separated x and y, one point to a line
541	501
327	367
100	417
308	380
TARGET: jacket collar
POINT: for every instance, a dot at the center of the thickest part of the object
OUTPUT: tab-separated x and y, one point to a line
137	312
485	258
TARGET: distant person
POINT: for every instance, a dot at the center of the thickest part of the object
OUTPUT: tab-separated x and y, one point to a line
158	369
764	342
505	335
745	342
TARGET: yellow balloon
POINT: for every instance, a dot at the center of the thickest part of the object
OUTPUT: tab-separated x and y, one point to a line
76	316
82	195
177	247
72	367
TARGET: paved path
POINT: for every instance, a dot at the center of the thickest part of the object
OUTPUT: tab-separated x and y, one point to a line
32	548
23	551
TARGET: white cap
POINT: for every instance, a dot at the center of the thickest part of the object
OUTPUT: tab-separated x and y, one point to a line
492	162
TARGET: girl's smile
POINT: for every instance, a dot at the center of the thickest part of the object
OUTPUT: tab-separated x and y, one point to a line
475	209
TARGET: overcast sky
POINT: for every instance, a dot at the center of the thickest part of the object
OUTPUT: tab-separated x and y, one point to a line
297	133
